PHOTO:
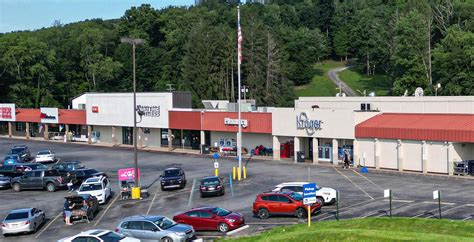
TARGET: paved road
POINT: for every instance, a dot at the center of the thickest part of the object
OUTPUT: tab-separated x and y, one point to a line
361	194
337	81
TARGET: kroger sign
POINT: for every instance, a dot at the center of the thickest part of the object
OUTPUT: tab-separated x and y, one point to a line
303	122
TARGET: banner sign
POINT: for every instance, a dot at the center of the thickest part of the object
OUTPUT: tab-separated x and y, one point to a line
49	115
127	174
7	112
229	121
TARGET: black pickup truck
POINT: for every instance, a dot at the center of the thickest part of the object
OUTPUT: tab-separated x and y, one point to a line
16	170
50	180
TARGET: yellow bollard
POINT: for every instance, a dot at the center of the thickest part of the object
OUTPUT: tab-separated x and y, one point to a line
245	172
239	175
234	171
217	172
135	192
309	216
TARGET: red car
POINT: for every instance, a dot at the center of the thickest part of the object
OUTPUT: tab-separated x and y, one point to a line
282	203
211	218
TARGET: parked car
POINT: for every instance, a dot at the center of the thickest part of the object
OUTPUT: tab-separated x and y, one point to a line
50	180
211	218
156	228
22	151
83	174
212	186
5	181
325	194
173	177
45	156
68	166
11	159
282	203
98	187
23	221
98	235
19	169
78	212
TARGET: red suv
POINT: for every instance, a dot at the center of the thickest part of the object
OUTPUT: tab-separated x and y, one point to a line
286	203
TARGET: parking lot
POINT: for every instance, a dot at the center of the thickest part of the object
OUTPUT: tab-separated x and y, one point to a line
361	193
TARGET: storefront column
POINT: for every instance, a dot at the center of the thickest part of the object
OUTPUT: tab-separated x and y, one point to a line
170	139
140	137
297	147
276	148
27	125
315	151
46	132
335	157
203	137
449	151
355	153
114	135
399	155
10	131
66	132
89	134
424	157
377	153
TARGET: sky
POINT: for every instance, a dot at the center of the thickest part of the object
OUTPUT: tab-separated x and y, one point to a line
35	14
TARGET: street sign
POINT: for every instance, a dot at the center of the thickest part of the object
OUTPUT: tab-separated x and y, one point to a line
216	165
309	193
435	194
216	156
386	193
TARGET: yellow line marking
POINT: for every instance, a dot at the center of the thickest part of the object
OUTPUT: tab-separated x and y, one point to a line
367	179
107	209
360	188
47	226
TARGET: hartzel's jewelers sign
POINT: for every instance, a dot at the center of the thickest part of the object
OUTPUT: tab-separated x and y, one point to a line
7	112
303	122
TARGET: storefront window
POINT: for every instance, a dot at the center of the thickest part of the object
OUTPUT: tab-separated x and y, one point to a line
20	126
164	137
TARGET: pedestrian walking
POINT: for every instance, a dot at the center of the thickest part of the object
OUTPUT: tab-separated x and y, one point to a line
346	159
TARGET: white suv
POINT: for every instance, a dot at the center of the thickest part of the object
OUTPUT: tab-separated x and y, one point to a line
98	187
325	194
45	156
99	235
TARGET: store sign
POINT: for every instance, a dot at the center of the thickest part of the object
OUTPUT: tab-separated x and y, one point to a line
303	122
243	122
49	115
127	174
7	112
149	111
95	109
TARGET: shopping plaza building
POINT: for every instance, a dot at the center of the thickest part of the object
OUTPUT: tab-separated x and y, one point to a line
424	134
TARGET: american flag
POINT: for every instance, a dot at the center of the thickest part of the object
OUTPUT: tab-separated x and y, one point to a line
239	38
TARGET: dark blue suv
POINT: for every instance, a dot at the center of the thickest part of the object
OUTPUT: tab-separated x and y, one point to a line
22	151
173	177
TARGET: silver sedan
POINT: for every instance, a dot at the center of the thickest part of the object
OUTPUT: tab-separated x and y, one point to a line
23	220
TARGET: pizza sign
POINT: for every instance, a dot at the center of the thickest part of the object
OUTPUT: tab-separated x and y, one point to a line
7	112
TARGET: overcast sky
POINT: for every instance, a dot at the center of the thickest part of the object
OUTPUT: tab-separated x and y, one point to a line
36	14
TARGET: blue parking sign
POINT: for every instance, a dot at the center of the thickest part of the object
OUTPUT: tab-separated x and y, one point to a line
309	193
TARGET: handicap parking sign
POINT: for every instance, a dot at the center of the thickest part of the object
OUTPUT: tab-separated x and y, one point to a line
309	193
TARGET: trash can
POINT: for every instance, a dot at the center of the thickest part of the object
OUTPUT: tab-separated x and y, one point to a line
205	149
300	157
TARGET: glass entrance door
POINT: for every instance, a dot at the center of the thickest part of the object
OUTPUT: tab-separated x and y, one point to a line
127	135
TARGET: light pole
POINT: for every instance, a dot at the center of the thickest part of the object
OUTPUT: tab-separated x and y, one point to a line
134	43
438	86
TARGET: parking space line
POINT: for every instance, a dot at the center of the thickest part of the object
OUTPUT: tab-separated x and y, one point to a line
107	209
349	208
367	179
425	213
360	188
447	210
237	230
442	203
386	211
399	200
47	226
467	218
152	201
270	223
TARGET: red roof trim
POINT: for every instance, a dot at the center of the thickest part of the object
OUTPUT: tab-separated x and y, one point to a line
433	127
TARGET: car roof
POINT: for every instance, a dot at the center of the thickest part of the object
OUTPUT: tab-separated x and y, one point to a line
144	217
203	208
20	210
291	184
68	162
20	146
96	232
44	151
8	155
277	192
94	180
209	177
173	168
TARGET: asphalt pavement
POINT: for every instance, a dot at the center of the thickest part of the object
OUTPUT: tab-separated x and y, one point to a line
361	193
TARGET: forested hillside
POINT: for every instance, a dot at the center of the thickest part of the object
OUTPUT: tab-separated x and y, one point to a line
415	43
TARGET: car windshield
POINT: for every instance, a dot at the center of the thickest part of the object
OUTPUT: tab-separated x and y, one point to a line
171	172
44	152
90	172
90	187
111	237
296	196
20	215
17	150
210	181
11	157
165	223
220	211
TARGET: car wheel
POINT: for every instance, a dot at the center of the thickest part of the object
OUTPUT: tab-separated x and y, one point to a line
35	228
321	200
16	187
223	227
263	213
300	213
166	239
43	219
50	187
162	188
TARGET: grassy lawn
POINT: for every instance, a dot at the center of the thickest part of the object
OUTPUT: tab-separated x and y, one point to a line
321	85
371	229
378	83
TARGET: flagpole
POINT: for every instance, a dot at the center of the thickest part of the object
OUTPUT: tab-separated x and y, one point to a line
239	56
